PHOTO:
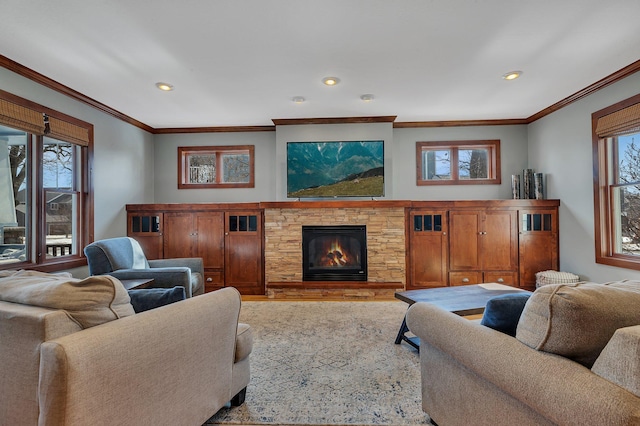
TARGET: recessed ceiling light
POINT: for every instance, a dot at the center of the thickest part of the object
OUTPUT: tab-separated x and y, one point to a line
298	99
367	98
164	86
512	75
331	81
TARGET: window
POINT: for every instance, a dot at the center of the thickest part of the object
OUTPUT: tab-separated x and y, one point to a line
616	148
45	192
458	162
216	167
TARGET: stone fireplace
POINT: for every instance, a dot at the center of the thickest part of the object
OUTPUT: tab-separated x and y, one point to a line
385	247
334	253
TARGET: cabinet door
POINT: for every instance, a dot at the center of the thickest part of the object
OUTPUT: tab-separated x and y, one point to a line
428	249
499	241
210	239
146	229
464	230
243	252
179	235
538	244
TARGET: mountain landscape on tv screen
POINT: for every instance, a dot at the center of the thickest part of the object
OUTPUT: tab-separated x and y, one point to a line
335	169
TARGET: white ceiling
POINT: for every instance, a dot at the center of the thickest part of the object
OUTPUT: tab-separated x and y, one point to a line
240	62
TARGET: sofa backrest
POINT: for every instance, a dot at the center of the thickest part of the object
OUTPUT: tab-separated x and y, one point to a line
105	256
23	329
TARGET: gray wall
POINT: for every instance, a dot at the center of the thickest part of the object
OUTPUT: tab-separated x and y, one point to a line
513	149
166	166
123	155
560	144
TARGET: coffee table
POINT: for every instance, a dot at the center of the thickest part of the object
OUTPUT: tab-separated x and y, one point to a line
461	300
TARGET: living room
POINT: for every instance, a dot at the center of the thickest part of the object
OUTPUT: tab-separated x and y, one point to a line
135	162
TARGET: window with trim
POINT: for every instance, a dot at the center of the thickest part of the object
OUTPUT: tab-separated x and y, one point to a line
458	162
46	202
216	167
616	156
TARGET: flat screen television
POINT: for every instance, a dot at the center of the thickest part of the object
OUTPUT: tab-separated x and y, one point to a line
335	169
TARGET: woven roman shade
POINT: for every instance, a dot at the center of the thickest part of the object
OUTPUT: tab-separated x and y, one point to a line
21	118
68	132
621	122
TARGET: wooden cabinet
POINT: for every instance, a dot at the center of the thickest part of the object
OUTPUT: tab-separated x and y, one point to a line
228	238
501	241
197	234
243	254
483	242
538	235
428	249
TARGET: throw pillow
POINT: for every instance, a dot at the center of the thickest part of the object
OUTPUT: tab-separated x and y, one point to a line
149	298
89	302
502	312
577	320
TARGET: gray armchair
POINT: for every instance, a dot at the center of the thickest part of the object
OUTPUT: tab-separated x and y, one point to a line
124	259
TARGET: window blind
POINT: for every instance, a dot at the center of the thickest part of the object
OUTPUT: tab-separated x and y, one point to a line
68	132
21	118
621	122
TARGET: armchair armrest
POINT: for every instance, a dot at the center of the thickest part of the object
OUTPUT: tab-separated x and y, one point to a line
163	277
134	360
193	263
535	378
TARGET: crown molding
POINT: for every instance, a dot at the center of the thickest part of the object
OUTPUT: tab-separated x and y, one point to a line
333	120
61	88
221	129
459	123
610	79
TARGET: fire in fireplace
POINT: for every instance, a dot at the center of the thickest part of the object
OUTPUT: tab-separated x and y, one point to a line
334	253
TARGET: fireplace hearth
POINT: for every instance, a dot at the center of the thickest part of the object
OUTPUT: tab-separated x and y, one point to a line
334	253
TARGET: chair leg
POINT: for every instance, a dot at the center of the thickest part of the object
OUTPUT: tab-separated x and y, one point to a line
239	398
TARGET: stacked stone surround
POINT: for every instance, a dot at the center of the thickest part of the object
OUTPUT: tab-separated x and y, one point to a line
385	245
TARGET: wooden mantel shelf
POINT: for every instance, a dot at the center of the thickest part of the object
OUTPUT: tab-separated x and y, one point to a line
383	204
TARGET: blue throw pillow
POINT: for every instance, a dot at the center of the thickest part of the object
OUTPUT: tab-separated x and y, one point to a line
149	298
503	312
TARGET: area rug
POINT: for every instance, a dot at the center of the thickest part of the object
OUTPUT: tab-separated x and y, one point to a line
328	363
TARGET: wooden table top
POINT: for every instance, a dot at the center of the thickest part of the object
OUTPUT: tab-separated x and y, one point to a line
461	300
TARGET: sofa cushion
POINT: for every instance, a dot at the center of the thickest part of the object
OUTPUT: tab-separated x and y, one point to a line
619	361
503	312
90	301
150	298
577	320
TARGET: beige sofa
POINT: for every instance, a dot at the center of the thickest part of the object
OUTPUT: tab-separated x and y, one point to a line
96	362
575	360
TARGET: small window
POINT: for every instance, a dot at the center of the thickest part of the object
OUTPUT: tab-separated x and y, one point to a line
216	167
458	162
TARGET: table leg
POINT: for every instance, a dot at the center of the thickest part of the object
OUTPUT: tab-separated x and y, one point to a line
413	341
